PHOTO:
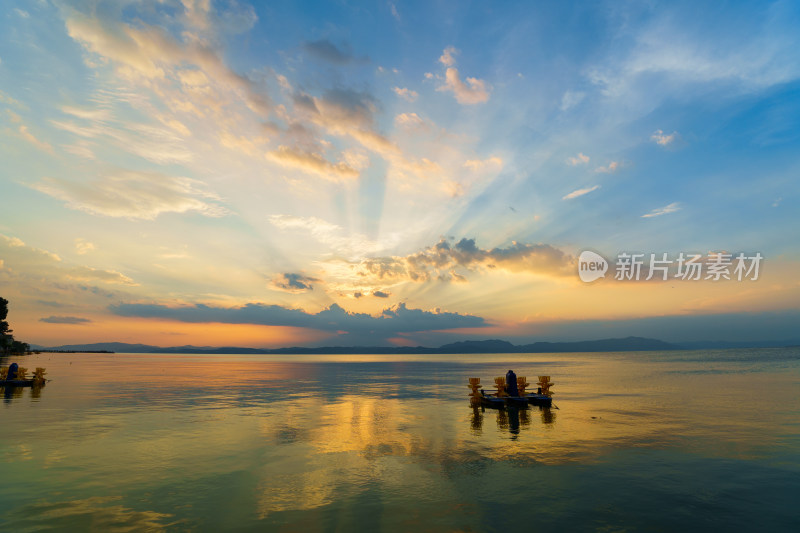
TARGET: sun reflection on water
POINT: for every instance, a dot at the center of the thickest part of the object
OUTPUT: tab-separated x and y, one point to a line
154	439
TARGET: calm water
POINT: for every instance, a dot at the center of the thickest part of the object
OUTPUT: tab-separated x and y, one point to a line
659	441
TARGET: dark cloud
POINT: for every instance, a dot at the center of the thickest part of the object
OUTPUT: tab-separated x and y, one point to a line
49	303
380	294
327	51
305	103
65	320
441	260
360	327
294	282
341	108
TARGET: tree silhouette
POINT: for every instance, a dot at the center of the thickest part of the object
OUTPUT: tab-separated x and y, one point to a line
3	314
7	343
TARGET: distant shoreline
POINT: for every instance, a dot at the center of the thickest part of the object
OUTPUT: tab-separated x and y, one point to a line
483	346
627	344
45	350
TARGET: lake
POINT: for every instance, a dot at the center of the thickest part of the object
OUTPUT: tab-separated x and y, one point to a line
655	441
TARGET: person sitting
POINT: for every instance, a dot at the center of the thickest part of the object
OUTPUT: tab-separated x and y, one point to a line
511	383
12	371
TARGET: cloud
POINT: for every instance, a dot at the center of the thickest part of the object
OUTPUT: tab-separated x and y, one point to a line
356	158
24	133
82	246
447	261
343	108
27	263
672	54
470	93
393	10
151	52
176	74
447	58
348	113
571	99
283	81
409	120
406	94
9	100
334	319
671	208
327	51
154	143
247	144
313	163
474	91
81	149
579	159
493	163
664	140
334	236
380	294
129	194
294	283
50	304
317	226
610	168
343	112
580	192
93	114
65	320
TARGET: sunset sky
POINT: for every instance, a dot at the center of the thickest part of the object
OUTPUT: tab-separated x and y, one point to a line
356	173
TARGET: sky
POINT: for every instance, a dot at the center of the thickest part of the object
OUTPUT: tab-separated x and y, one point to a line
225	173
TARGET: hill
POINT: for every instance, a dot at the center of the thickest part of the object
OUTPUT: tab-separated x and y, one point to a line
483	346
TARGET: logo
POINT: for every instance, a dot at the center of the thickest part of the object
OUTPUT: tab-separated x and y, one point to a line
715	266
591	266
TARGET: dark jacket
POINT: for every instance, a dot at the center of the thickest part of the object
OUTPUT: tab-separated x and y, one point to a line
511	384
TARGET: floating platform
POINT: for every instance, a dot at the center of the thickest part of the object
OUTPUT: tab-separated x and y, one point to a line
499	403
18	382
500	399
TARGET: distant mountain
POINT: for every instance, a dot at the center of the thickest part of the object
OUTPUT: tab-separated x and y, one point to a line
122	347
628	344
721	345
484	346
490	346
604	345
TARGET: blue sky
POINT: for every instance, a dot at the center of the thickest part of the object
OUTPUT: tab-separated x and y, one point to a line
329	158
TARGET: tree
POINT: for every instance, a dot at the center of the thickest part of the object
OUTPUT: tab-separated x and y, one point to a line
3	314
19	347
7	343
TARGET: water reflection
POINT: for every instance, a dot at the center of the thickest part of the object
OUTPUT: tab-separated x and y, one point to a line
511	418
328	445
15	393
100	513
